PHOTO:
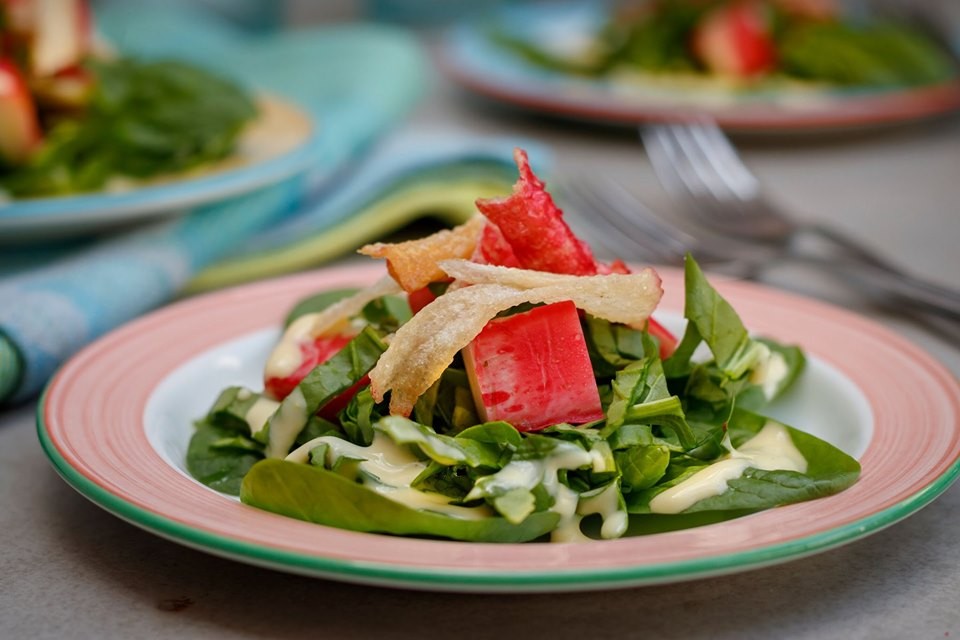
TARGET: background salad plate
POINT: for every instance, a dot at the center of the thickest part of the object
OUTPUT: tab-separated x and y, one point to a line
116	419
280	143
473	58
330	92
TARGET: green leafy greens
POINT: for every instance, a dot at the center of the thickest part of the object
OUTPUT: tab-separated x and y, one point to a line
145	119
444	473
835	50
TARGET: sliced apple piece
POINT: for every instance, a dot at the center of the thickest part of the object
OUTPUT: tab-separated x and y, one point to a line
19	128
61	35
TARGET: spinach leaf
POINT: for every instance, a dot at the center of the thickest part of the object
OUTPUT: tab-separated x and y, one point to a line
866	54
829	471
632	435
447	406
439	448
453	482
219	458
387	313
502	435
309	493
611	346
650	523
756	396
641	467
229	411
640	396
518	489
358	417
679	364
145	118
751	370
316	428
717	323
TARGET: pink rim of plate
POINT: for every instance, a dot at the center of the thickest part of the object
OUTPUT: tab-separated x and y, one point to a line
839	111
91	426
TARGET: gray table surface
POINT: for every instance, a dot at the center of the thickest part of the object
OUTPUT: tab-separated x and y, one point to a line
69	569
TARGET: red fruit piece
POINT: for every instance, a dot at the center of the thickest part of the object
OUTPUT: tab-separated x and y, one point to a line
419	298
668	341
735	40
534	227
19	129
314	352
617	266
493	248
533	370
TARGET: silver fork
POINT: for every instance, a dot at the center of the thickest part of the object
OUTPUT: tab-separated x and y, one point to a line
699	167
614	217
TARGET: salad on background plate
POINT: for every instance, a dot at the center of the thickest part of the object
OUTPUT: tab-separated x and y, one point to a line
748	44
90	136
502	385
758	65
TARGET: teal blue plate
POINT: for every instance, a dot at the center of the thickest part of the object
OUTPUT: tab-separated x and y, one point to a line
342	78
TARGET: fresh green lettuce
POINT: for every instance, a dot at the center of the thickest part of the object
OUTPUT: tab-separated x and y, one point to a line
664	421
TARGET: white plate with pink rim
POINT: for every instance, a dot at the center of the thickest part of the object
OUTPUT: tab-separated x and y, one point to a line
116	419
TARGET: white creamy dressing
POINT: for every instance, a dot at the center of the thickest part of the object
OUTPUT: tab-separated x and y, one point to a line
771	449
607	504
567	503
602	457
259	413
286	422
389	469
286	356
770	370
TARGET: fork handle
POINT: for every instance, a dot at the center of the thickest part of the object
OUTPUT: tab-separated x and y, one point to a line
854	249
944	327
925	296
897	281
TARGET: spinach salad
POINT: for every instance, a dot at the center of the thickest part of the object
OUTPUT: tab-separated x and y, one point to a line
747	43
77	117
502	385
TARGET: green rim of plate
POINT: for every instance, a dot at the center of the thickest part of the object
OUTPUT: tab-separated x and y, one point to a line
473	580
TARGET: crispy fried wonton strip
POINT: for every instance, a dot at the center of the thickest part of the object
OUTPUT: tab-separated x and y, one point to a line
413	264
423	347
